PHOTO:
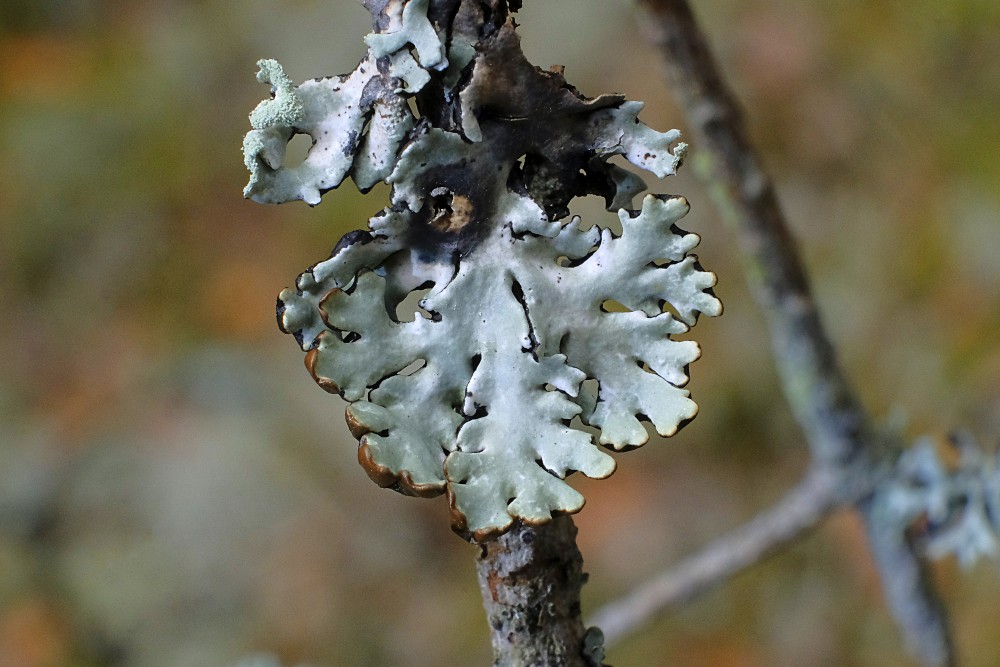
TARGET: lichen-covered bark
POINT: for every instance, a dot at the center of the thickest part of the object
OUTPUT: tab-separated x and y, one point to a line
531	579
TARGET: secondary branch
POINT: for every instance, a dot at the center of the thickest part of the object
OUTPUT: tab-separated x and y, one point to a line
838	430
798	512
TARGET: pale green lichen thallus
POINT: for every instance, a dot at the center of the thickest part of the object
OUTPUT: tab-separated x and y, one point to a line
483	394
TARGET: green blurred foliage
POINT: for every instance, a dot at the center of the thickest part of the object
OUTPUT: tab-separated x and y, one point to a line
175	491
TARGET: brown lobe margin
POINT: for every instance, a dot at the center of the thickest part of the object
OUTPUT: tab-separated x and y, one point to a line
387	479
326	383
322	305
460	523
358	428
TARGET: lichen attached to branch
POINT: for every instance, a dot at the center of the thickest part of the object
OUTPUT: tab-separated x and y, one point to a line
476	395
959	505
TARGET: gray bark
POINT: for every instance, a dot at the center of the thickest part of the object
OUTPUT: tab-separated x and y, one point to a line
531	578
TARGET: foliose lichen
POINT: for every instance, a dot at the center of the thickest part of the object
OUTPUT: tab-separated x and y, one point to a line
960	504
479	395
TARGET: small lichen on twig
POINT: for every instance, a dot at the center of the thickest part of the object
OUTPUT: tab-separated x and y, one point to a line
959	504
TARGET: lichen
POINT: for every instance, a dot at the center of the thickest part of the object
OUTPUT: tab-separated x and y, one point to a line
960	505
483	395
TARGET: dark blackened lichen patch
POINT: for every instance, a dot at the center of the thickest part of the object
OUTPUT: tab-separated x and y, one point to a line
352	237
517	109
449	226
352	143
380	15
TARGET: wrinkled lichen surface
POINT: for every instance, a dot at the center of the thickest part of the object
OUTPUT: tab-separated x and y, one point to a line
482	393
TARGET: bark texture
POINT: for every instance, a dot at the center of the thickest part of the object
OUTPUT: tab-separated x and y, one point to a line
531	579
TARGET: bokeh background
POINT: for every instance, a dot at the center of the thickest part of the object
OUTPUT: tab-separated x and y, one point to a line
176	492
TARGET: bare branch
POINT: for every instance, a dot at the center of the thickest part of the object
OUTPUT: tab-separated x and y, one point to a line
798	512
531	579
838	430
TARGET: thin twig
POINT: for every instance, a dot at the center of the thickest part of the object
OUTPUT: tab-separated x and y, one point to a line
838	430
798	512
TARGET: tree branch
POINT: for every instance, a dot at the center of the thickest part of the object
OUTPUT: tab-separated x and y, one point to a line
531	579
838	430
798	512
824	404
907	586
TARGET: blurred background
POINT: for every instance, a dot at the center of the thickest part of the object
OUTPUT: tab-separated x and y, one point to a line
174	489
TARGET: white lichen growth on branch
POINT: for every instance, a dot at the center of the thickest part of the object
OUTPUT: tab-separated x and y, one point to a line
479	394
959	504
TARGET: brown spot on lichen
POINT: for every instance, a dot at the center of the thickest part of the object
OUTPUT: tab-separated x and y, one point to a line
408	487
460	524
535	523
453	214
